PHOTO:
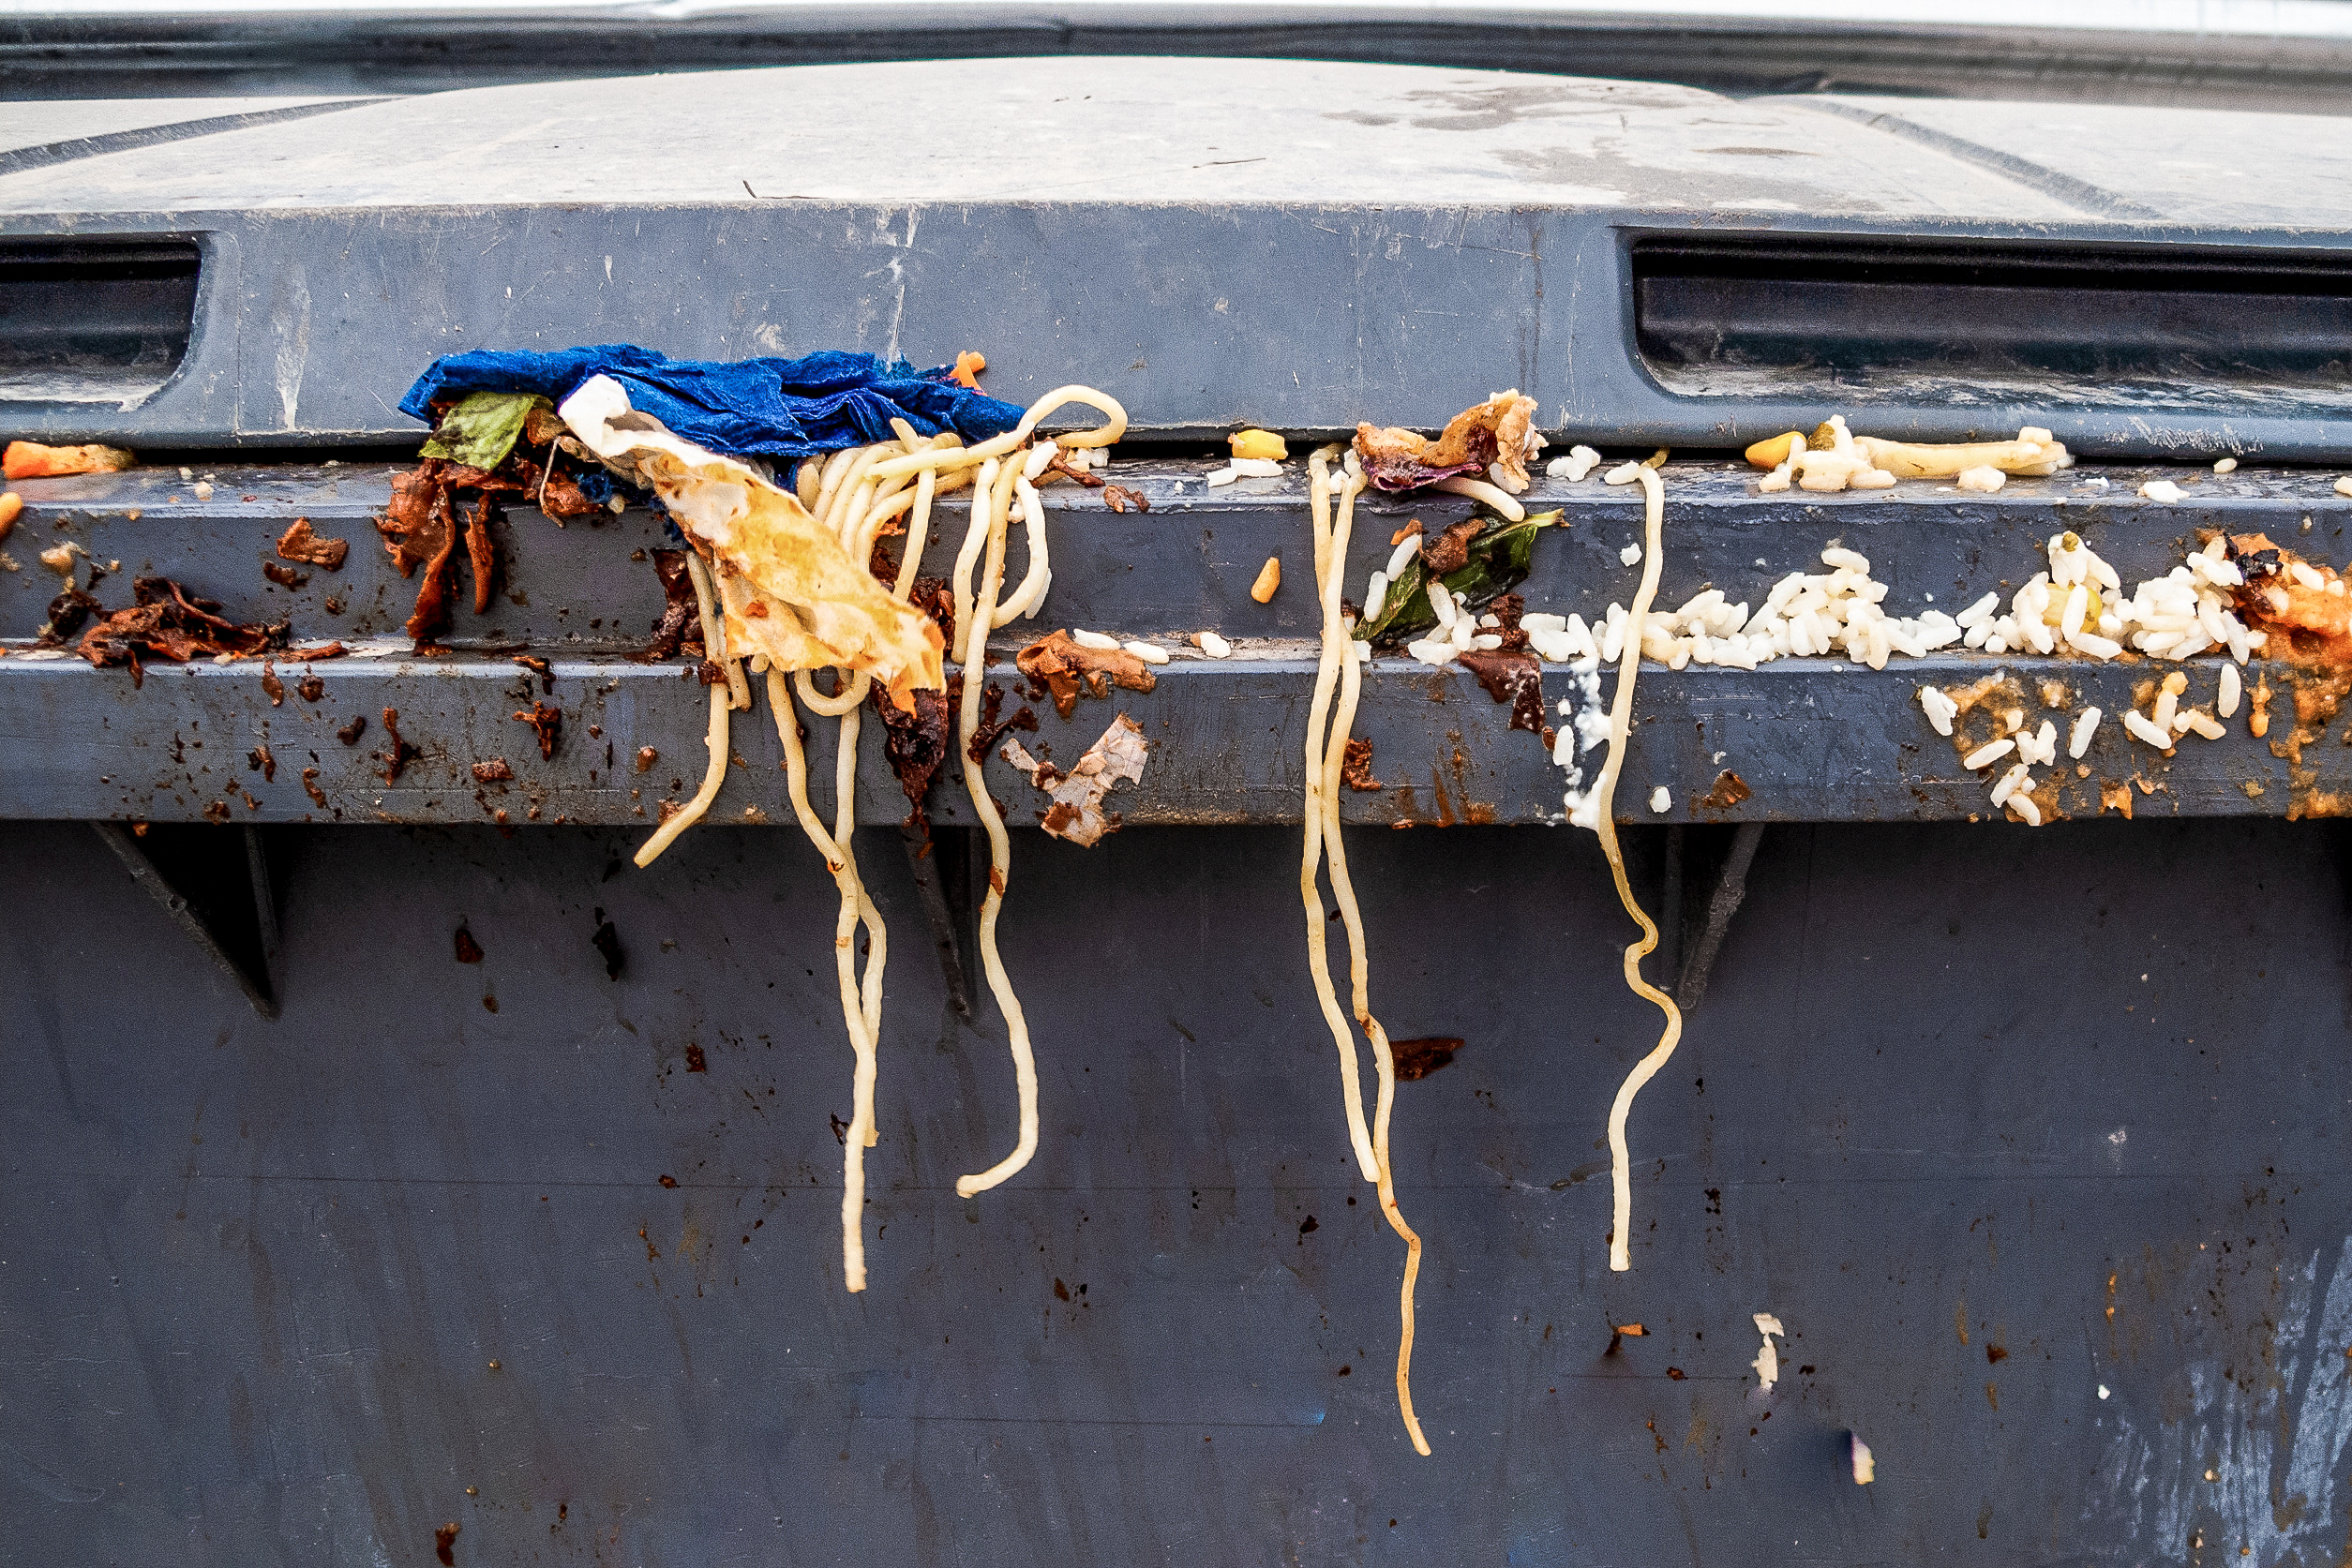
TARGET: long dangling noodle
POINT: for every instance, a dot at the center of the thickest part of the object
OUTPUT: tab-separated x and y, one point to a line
1620	724
862	1013
1343	658
721	700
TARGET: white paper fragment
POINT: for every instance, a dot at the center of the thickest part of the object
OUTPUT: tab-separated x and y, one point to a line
1767	1362
1076	813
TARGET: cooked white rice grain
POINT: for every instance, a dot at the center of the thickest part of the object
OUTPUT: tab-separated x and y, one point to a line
1213	645
1984	479
2226	703
2078	739
2162	489
2019	777
2201	722
1147	652
1631	554
2226	465
1661	799
1255	468
2136	721
1988	754
1095	640
1222	476
1624	474
2027	809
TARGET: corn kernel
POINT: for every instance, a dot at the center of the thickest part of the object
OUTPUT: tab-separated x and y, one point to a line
1258	444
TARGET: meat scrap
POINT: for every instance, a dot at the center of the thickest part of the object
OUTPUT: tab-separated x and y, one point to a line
1061	665
298	543
165	623
1355	764
1729	791
1450	550
1499	433
496	770
1118	497
1076	813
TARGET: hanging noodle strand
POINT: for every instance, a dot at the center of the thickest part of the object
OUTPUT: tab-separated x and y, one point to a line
1620	724
721	701
1342	658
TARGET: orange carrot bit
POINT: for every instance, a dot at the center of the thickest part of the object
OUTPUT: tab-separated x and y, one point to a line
969	365
32	460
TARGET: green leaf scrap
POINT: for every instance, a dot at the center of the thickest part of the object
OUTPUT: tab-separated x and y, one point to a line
1499	557
482	429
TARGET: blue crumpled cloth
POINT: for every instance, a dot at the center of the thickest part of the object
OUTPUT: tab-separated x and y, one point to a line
778	409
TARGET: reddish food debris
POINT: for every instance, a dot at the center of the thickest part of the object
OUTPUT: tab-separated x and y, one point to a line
647	757
1062	465
935	598
1355	764
1063	666
669	1181
350	734
969	365
1729	791
1510	677
310	787
1417	1059
10	505
272	685
165	623
260	761
1496	431
420	528
32	460
216	812
539	667
401	755
481	553
1118	497
298	543
695	1060
468	950
493	771
916	744
681	624
444	1543
547	723
311	688
284	577
992	728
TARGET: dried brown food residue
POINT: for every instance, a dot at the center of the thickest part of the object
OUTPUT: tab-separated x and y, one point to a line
546	722
1355	764
1419	1058
1729	791
165	621
298	543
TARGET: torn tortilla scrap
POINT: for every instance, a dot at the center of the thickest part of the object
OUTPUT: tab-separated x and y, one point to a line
791	591
1076	813
1492	441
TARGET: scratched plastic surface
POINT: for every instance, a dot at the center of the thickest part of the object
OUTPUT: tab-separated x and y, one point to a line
1992	1122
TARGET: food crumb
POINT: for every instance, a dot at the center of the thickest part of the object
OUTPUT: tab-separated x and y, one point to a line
1661	800
1269	579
